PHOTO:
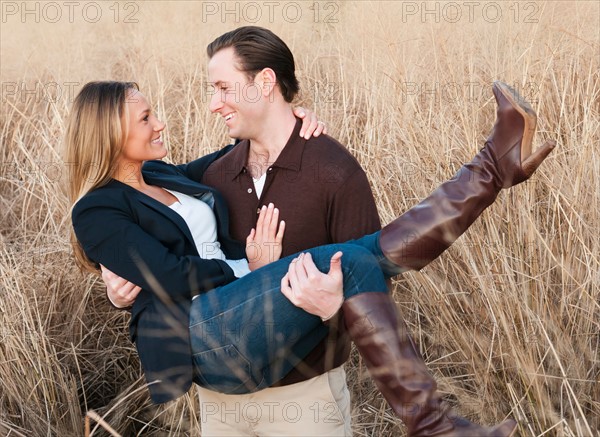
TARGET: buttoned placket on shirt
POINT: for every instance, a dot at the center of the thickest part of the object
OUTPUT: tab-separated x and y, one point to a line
252	185
289	159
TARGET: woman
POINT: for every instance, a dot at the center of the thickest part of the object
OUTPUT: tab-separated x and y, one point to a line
244	334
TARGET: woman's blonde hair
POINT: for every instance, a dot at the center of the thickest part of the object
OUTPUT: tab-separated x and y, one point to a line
96	131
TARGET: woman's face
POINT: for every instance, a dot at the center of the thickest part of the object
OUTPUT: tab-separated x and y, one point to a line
143	140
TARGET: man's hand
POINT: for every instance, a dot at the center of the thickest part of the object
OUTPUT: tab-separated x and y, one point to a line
310	123
263	245
120	292
315	292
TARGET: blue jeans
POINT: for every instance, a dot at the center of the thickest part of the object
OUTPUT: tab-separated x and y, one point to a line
247	335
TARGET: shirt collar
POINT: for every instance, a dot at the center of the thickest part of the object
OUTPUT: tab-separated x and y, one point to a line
290	157
238	157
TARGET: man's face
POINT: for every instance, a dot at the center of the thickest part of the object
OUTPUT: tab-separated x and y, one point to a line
235	98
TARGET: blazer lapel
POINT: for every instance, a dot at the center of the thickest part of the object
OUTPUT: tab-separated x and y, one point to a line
167	212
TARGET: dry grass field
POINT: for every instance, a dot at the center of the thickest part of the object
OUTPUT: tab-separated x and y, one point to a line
508	319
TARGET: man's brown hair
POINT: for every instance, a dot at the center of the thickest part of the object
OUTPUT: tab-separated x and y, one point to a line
257	48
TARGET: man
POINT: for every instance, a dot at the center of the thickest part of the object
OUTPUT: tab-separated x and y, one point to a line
312	183
323	196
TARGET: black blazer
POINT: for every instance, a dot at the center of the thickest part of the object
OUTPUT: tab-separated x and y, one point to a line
149	244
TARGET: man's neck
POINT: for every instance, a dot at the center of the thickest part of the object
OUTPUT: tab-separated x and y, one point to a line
276	129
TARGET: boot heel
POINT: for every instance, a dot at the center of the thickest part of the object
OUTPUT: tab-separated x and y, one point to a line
533	162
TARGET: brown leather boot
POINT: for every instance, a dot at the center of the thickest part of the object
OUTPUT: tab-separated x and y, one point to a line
399	371
422	233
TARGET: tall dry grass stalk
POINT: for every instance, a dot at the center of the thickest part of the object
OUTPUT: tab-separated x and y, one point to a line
507	319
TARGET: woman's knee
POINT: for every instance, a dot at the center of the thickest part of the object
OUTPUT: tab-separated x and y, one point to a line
358	256
362	269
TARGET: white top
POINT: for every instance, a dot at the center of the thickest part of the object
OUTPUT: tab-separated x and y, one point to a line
203	225
259	184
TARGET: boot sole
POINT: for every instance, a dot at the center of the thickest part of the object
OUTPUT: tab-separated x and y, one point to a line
523	107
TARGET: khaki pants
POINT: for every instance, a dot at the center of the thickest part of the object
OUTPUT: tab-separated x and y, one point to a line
317	407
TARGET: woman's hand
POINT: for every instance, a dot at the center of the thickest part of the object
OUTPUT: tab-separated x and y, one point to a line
263	245
120	292
321	294
311	125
